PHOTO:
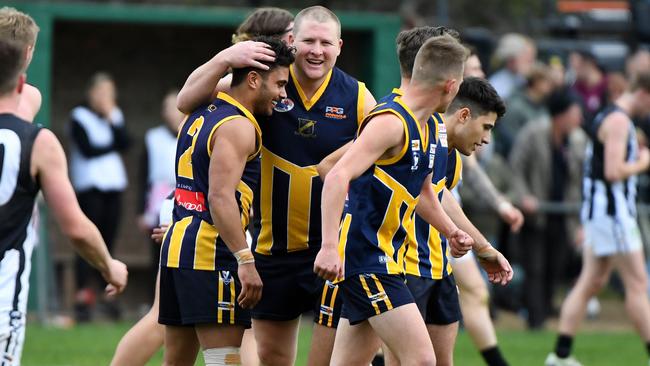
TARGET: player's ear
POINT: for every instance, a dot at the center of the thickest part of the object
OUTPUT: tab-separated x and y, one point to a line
464	114
254	79
450	84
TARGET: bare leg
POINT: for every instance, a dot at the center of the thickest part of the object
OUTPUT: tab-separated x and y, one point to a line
474	300
594	275
635	279
322	344
443	338
249	349
181	346
354	344
143	340
277	341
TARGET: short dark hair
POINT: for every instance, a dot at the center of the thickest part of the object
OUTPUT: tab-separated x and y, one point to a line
479	96
12	60
284	56
409	43
560	100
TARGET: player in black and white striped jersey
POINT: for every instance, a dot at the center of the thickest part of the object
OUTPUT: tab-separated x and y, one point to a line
32	159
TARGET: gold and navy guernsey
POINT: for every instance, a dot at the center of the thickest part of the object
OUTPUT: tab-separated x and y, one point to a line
382	201
427	254
192	242
300	133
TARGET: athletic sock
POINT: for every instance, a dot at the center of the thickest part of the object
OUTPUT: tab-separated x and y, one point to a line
563	345
493	357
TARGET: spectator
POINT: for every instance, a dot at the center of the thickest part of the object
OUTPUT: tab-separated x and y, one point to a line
97	172
157	175
524	105
515	54
590	85
546	161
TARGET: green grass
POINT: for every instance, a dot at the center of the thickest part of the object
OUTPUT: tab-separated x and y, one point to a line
94	345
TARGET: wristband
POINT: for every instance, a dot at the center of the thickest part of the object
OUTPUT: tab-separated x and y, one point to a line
244	256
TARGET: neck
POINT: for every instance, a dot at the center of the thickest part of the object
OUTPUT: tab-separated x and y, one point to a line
243	97
626	103
423	102
308	86
404	83
9	104
450	125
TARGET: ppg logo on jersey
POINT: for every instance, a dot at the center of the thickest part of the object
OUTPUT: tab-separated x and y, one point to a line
334	112
306	128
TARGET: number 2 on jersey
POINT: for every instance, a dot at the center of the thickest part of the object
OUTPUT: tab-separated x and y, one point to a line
185	160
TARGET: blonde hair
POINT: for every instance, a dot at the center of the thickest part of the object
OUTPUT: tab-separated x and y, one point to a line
318	13
440	58
18	27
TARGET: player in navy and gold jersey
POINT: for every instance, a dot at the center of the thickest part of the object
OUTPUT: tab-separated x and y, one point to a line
208	275
388	170
321	113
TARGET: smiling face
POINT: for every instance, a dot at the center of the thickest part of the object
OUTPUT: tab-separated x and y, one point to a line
317	47
271	90
472	131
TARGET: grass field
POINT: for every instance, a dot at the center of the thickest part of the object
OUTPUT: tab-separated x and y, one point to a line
94	345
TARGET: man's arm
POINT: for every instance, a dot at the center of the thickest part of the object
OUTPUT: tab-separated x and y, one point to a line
382	134
328	162
614	136
200	85
235	142
50	168
494	263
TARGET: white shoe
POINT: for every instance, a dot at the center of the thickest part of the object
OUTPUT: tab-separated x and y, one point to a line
553	360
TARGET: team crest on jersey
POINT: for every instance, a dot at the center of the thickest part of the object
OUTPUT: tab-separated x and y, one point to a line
335	112
226	277
284	105
306	128
415	145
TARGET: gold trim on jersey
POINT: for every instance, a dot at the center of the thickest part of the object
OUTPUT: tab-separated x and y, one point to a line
397	157
308	103
248	115
361	102
423	136
214	129
204	247
176	241
298	203
458	170
343	237
436	256
245	200
397	91
392	220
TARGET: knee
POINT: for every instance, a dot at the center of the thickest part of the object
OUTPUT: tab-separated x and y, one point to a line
423	359
476	294
595	285
273	356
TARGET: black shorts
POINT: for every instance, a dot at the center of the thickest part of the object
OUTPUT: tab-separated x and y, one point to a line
190	297
290	286
328	310
367	295
437	300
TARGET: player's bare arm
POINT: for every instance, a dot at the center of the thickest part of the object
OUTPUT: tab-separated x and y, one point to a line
327	164
493	262
201	86
235	142
49	166
382	138
614	135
